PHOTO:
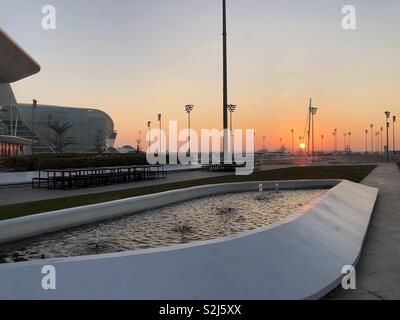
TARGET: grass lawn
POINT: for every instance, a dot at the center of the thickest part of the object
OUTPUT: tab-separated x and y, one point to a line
352	173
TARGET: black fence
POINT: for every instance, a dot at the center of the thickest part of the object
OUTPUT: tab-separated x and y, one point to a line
66	179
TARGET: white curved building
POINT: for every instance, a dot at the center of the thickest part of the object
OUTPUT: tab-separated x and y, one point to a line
90	130
46	128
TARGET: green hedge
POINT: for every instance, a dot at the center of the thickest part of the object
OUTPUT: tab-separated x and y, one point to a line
65	161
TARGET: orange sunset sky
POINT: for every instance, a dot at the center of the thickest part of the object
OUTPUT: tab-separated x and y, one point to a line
137	58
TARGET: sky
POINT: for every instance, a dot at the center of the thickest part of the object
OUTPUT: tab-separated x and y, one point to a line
136	58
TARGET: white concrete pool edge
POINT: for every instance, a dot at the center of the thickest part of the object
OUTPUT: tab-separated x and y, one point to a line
301	258
33	225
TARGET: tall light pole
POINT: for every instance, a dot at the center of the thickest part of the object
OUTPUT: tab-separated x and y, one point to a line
292	130
387	113
189	109
149	128
313	113
336	140
34	106
231	108
377	133
349	141
322	139
159	117
372	137
344	141
381	140
300	145
394	141
366	141
309	126
225	77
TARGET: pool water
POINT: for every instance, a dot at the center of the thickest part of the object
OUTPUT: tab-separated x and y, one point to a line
196	220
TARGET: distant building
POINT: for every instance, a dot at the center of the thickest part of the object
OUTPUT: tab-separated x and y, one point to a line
90	130
45	129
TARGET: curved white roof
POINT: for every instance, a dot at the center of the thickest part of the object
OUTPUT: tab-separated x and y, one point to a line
15	63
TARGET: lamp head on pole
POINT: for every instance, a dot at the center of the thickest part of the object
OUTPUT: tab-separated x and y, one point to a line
189	108
387	113
394	118
313	110
148	124
232	108
159	117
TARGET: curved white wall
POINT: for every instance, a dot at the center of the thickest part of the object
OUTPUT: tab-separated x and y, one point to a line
298	259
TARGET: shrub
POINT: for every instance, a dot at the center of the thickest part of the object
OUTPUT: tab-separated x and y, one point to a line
65	161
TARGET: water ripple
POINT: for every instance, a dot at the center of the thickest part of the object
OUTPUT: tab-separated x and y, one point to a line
201	219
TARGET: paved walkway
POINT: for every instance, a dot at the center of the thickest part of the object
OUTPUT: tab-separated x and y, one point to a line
378	271
21	194
27	194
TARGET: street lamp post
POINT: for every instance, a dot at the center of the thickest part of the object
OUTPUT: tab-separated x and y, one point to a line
382	140
366	141
377	133
322	139
313	113
372	138
387	113
149	127
334	140
189	109
300	145
34	105
292	130
231	108
159	117
394	141
349	141
344	141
